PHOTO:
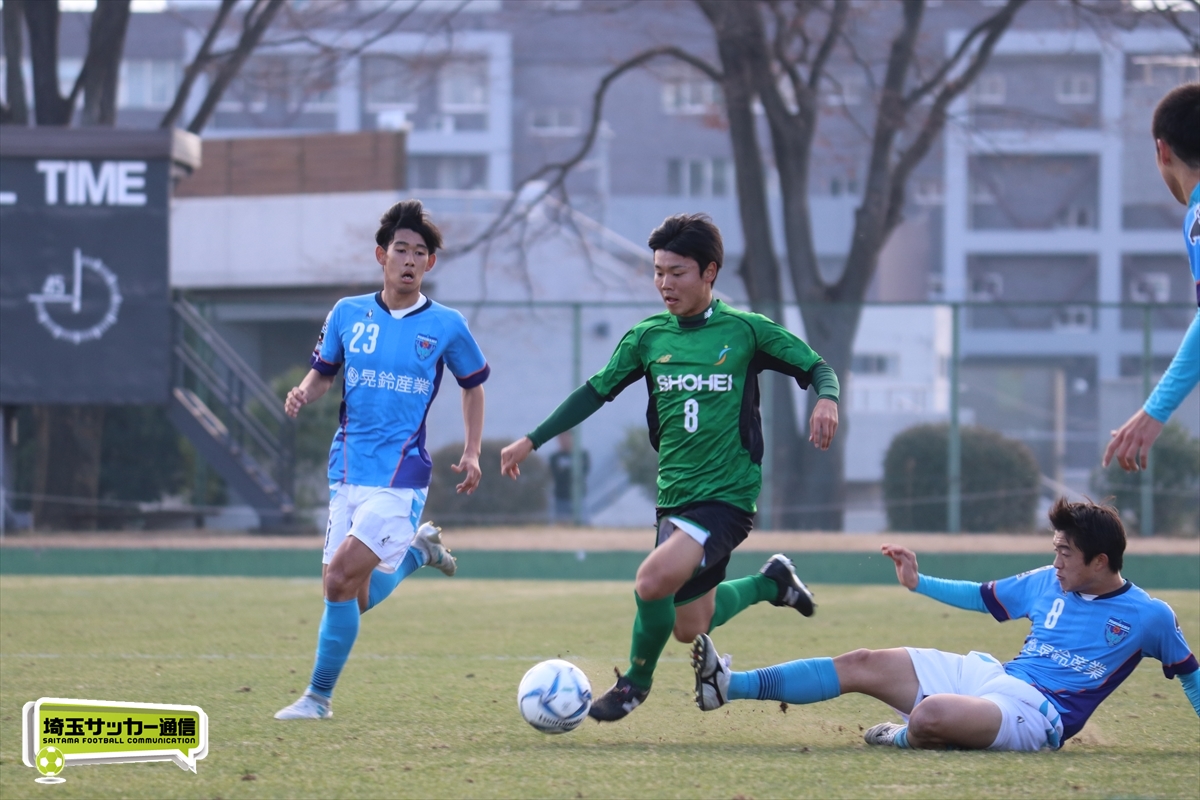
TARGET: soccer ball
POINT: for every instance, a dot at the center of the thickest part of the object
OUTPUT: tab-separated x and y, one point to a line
554	696
50	761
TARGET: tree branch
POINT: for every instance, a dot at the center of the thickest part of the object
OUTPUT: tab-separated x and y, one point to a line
16	111
963	48
253	28
559	170
936	119
199	63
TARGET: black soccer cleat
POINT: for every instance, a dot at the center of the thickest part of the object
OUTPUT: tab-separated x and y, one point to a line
792	591
618	701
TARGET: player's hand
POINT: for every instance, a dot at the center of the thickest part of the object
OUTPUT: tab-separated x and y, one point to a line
296	399
512	456
469	465
906	564
823	423
1131	442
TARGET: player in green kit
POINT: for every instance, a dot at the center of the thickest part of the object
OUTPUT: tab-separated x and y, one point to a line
700	360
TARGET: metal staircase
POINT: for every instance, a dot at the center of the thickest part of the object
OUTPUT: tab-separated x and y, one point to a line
232	417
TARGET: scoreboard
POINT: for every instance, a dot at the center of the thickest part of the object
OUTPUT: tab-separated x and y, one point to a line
84	274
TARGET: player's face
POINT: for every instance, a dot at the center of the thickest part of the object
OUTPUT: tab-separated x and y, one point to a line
1073	575
405	262
684	289
1165	159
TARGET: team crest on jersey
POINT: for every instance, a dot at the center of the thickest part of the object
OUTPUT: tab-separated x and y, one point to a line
721	357
1115	630
425	346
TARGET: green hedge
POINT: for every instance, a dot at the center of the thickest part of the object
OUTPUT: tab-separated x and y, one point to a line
1176	483
999	481
498	500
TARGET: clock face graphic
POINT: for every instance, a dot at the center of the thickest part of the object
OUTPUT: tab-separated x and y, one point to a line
87	308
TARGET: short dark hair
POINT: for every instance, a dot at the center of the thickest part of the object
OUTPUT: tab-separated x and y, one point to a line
691	236
411	215
1177	122
1092	528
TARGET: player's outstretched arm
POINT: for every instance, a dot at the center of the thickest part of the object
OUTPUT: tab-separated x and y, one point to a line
312	388
1131	443
472	408
579	405
960	594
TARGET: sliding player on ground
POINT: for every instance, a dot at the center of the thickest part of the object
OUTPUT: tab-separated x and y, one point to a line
392	347
700	360
1176	130
1089	628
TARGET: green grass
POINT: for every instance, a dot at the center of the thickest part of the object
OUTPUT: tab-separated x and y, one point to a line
427	704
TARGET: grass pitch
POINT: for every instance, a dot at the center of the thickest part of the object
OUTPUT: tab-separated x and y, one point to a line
427	704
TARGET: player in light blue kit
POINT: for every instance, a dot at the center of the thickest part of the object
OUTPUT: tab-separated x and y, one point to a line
393	348
1089	628
1176	129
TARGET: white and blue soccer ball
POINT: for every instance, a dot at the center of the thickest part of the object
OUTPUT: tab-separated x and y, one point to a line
554	696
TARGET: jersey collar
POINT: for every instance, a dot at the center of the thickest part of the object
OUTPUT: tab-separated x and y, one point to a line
698	320
1125	587
379	301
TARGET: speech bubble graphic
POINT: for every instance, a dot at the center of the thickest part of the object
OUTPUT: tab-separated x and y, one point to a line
102	732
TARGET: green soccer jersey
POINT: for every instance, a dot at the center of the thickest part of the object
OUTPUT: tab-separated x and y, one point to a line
702	377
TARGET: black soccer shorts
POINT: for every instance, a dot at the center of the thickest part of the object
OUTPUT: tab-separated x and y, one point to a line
727	526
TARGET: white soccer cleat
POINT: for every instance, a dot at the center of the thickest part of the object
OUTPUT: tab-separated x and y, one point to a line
712	674
309	706
883	734
429	541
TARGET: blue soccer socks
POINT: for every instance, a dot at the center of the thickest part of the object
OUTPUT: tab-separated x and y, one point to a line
810	680
339	629
384	583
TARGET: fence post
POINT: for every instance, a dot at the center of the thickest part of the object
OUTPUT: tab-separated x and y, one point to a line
1146	512
577	476
954	442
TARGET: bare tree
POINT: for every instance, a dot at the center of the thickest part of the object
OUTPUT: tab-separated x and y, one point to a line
773	61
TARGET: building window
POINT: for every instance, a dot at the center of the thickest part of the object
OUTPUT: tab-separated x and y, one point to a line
388	84
1075	89
290	84
147	84
462	88
1163	70
691	96
460	173
989	90
874	364
699	177
555	122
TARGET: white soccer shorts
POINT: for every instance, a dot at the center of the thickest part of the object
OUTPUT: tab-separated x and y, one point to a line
382	518
1029	723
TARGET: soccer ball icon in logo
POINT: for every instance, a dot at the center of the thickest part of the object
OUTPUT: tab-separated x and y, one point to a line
554	696
50	761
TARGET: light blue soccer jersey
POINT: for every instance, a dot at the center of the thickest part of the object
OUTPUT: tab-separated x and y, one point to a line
393	369
1078	650
1184	372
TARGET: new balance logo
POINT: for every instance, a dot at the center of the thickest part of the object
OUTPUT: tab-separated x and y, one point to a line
695	383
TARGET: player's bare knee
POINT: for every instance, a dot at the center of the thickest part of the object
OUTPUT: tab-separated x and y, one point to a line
929	719
650	585
687	632
337	585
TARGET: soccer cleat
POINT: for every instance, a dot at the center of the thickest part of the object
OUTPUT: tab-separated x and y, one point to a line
309	706
429	541
618	701
792	591
883	734
712	674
